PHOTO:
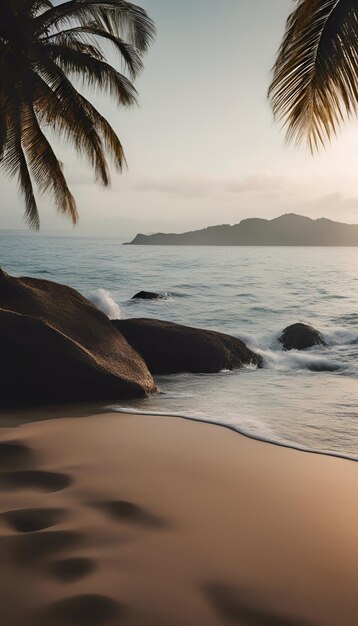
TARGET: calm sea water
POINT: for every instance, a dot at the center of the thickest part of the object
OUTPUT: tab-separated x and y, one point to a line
304	399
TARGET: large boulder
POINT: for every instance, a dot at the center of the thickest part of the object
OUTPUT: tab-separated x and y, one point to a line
56	346
170	348
300	337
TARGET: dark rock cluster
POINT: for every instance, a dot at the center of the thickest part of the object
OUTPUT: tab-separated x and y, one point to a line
56	346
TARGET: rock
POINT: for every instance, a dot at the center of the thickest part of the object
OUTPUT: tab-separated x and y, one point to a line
170	348
300	337
56	346
147	295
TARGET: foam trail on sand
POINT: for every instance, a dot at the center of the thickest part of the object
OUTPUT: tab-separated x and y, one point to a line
103	300
241	431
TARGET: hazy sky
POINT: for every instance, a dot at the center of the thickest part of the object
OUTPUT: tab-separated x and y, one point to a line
202	147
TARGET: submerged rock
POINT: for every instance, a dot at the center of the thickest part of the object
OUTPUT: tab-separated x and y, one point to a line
56	346
170	348
300	337
147	295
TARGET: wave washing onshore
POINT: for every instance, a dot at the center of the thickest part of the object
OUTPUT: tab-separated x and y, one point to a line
127	410
306	399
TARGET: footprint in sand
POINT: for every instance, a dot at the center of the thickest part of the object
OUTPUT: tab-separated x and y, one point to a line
71	569
15	455
28	550
32	520
16	470
35	479
234	608
123	511
88	610
35	543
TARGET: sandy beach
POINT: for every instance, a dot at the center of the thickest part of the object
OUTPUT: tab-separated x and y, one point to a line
155	521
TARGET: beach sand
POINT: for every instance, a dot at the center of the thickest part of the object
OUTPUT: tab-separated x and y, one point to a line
153	521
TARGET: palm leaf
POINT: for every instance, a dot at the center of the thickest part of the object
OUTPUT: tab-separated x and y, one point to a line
15	163
109	137
314	86
91	34
61	107
115	16
44	166
34	6
95	72
77	121
4	123
38	60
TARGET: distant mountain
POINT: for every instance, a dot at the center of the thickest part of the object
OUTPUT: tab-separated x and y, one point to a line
287	230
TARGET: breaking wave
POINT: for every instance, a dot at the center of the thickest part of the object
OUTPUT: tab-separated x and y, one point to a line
316	359
103	300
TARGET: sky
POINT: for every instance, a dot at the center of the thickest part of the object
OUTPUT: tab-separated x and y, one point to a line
202	147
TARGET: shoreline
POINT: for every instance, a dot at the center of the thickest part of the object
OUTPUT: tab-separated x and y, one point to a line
242	433
172	522
18	416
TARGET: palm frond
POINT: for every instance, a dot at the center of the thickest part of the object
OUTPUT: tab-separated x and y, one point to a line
39	57
116	16
95	72
36	6
44	166
77	121
15	163
61	107
65	41
25	184
109	137
4	124
92	34
315	80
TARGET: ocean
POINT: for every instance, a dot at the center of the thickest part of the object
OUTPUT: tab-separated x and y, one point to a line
307	400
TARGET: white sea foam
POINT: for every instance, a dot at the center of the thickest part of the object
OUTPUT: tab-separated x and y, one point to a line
295	360
243	430
340	336
103	300
317	359
250	427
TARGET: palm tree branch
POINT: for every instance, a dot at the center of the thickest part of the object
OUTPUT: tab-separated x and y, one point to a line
117	16
61	115
95	71
38	60
44	166
14	162
67	104
315	76
110	138
34	6
127	52
4	121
